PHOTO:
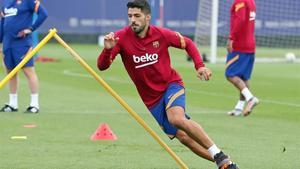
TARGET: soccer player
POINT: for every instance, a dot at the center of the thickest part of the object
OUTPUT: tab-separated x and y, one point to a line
144	52
15	33
241	54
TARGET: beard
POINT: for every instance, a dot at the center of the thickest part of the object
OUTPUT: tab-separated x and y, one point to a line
137	29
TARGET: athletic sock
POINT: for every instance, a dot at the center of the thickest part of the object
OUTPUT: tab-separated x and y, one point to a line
240	105
13	100
247	94
213	150
34	100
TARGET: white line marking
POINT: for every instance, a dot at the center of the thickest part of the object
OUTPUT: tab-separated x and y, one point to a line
70	73
262	100
112	79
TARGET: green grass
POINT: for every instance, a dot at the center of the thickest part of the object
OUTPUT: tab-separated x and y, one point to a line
265	52
73	105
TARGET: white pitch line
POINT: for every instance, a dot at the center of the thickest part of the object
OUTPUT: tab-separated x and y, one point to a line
70	73
281	103
261	100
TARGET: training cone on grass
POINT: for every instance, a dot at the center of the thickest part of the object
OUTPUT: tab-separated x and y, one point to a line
103	132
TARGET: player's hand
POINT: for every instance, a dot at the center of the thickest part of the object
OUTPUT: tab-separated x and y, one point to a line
229	45
110	41
23	33
204	73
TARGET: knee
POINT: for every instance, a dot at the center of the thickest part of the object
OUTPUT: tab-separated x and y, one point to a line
178	122
176	117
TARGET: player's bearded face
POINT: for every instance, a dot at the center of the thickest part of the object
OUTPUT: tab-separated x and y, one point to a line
137	20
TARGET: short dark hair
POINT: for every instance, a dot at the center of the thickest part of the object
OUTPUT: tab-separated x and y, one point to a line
141	4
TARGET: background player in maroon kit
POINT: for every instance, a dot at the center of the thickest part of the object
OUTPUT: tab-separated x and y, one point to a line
241	53
144	52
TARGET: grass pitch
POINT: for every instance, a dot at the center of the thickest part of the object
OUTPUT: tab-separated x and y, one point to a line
73	105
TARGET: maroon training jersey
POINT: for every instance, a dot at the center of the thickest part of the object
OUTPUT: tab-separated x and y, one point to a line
147	60
242	24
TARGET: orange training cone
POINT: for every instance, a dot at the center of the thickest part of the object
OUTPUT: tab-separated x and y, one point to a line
103	132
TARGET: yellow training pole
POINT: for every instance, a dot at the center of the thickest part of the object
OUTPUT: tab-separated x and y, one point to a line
28	57
121	101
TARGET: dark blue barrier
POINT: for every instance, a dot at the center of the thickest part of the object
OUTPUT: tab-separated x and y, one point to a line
102	16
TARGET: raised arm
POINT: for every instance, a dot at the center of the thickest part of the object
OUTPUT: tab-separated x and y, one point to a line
108	54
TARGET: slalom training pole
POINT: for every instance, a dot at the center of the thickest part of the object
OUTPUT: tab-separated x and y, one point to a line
28	56
121	101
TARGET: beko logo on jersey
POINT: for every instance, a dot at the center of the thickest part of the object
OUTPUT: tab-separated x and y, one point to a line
147	59
10	12
252	15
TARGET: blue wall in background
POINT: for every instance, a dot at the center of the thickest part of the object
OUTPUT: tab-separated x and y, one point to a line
102	16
